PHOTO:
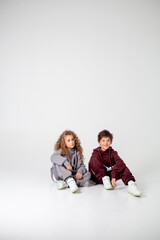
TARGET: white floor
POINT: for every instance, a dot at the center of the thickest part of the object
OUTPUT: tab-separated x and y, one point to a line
32	208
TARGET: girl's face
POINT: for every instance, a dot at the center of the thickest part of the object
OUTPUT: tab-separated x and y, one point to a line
69	141
105	143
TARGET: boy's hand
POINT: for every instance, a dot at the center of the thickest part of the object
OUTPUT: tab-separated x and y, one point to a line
113	181
69	167
78	175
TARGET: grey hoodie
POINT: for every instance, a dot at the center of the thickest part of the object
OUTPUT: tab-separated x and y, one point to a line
73	159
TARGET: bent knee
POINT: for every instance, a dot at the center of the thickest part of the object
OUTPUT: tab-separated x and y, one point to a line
87	176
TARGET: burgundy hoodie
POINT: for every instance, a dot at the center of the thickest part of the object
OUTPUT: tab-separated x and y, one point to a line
102	159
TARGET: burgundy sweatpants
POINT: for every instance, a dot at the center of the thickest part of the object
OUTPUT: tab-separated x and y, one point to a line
125	175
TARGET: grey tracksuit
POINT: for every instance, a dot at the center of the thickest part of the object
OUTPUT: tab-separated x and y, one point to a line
59	169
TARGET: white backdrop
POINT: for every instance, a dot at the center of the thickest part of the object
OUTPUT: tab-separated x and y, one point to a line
84	66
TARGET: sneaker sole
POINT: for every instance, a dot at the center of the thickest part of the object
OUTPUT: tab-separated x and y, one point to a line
60	186
136	195
109	188
74	190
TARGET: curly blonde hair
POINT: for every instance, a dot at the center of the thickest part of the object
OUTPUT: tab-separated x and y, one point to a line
60	144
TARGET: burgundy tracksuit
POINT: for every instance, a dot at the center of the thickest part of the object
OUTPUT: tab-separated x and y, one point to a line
101	160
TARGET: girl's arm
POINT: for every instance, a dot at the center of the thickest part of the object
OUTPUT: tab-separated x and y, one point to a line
56	158
80	166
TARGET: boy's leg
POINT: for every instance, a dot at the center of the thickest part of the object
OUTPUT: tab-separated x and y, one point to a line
107	181
86	177
97	178
126	176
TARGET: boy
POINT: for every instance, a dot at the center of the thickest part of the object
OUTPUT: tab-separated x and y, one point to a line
105	164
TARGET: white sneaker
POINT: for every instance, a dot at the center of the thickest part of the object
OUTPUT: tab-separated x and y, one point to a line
107	183
72	184
132	189
61	184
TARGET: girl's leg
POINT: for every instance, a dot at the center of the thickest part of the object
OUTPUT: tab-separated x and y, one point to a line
62	172
54	174
64	178
86	177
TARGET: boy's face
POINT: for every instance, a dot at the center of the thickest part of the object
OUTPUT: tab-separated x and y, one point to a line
69	141
105	143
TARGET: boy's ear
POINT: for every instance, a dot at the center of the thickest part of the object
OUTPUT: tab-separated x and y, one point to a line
98	142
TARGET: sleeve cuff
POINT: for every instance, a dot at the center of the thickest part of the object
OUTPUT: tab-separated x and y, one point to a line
80	171
66	163
113	175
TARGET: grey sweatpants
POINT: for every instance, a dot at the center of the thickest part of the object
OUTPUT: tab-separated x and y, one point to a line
61	173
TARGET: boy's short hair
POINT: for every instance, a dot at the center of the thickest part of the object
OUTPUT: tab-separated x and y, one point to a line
105	133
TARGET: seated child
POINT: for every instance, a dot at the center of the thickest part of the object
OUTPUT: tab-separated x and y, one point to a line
105	164
68	168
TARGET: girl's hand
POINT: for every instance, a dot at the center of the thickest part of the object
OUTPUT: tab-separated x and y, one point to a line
69	167
78	175
113	181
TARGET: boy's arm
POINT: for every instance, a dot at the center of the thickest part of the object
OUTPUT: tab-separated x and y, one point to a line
119	165
56	158
97	168
113	181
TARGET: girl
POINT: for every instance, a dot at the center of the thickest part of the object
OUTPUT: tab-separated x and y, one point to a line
68	168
